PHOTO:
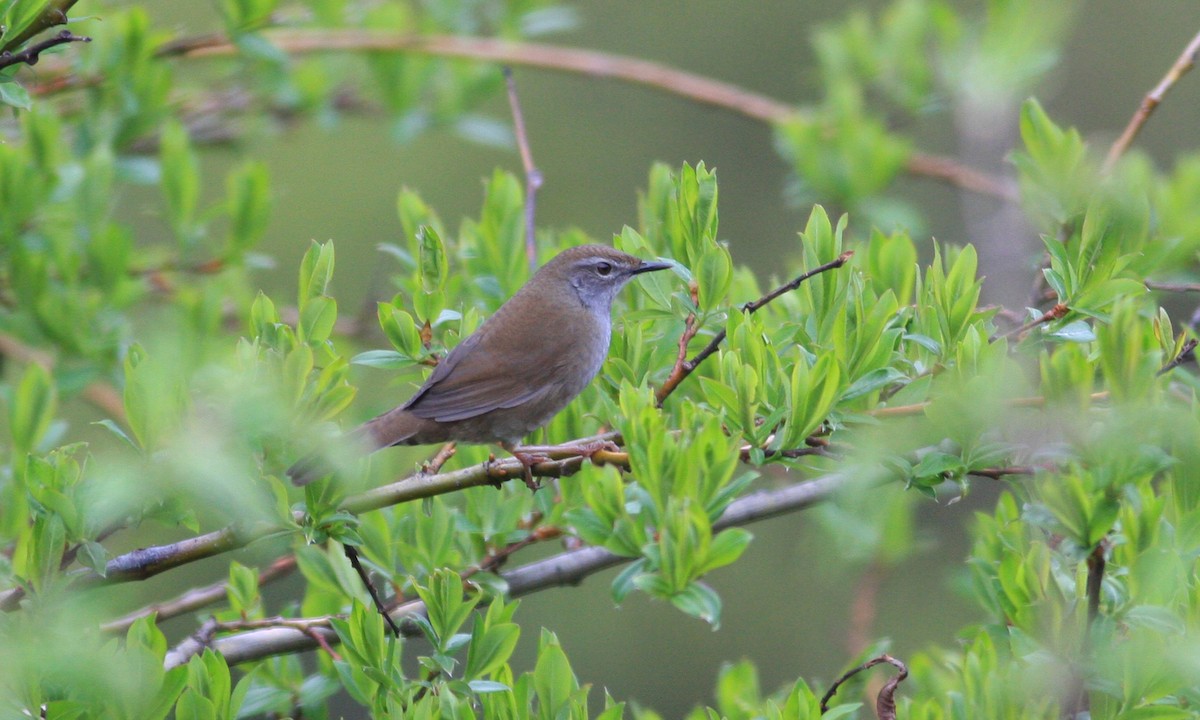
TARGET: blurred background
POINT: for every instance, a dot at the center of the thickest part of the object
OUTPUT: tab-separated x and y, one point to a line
790	603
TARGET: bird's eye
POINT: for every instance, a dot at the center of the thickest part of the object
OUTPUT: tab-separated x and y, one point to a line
604	269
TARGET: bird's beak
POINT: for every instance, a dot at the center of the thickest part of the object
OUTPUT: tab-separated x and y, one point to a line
649	267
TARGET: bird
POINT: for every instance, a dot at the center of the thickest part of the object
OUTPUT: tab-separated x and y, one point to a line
521	367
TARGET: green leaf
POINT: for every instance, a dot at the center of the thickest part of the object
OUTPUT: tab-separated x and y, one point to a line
386	359
249	206
180	179
93	555
15	95
316	270
317	319
727	546
32	408
553	681
432	260
1076	331
875	380
699	601
490	648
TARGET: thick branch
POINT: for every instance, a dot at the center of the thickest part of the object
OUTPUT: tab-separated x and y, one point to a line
566	568
148	562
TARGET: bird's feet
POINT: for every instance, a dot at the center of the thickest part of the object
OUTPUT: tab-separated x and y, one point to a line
528	457
592	450
528	460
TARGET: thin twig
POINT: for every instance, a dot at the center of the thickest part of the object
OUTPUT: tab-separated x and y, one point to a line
1185	62
1173	287
919	408
31	54
999	473
435	463
677	374
53	14
1186	353
197	598
1054	313
1077	697
1095	580
352	554
533	176
682	370
955	173
864	606
496	559
885	704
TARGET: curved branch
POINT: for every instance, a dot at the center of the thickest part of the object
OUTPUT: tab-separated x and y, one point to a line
698	88
549	57
565	568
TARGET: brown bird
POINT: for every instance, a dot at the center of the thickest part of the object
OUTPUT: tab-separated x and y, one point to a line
519	369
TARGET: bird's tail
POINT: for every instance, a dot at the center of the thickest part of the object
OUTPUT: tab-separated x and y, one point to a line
396	427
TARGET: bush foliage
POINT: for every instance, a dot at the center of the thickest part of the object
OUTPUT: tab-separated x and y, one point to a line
148	381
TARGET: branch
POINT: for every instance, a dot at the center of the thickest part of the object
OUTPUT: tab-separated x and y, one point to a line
1173	287
533	176
100	394
682	370
698	88
919	408
566	568
885	704
1187	352
55	13
352	555
949	170
1185	62
1054	313
31	54
196	598
147	562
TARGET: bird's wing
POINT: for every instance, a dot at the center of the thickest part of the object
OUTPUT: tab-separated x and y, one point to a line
466	384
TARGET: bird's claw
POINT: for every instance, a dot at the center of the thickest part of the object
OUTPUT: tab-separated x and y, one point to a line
528	460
